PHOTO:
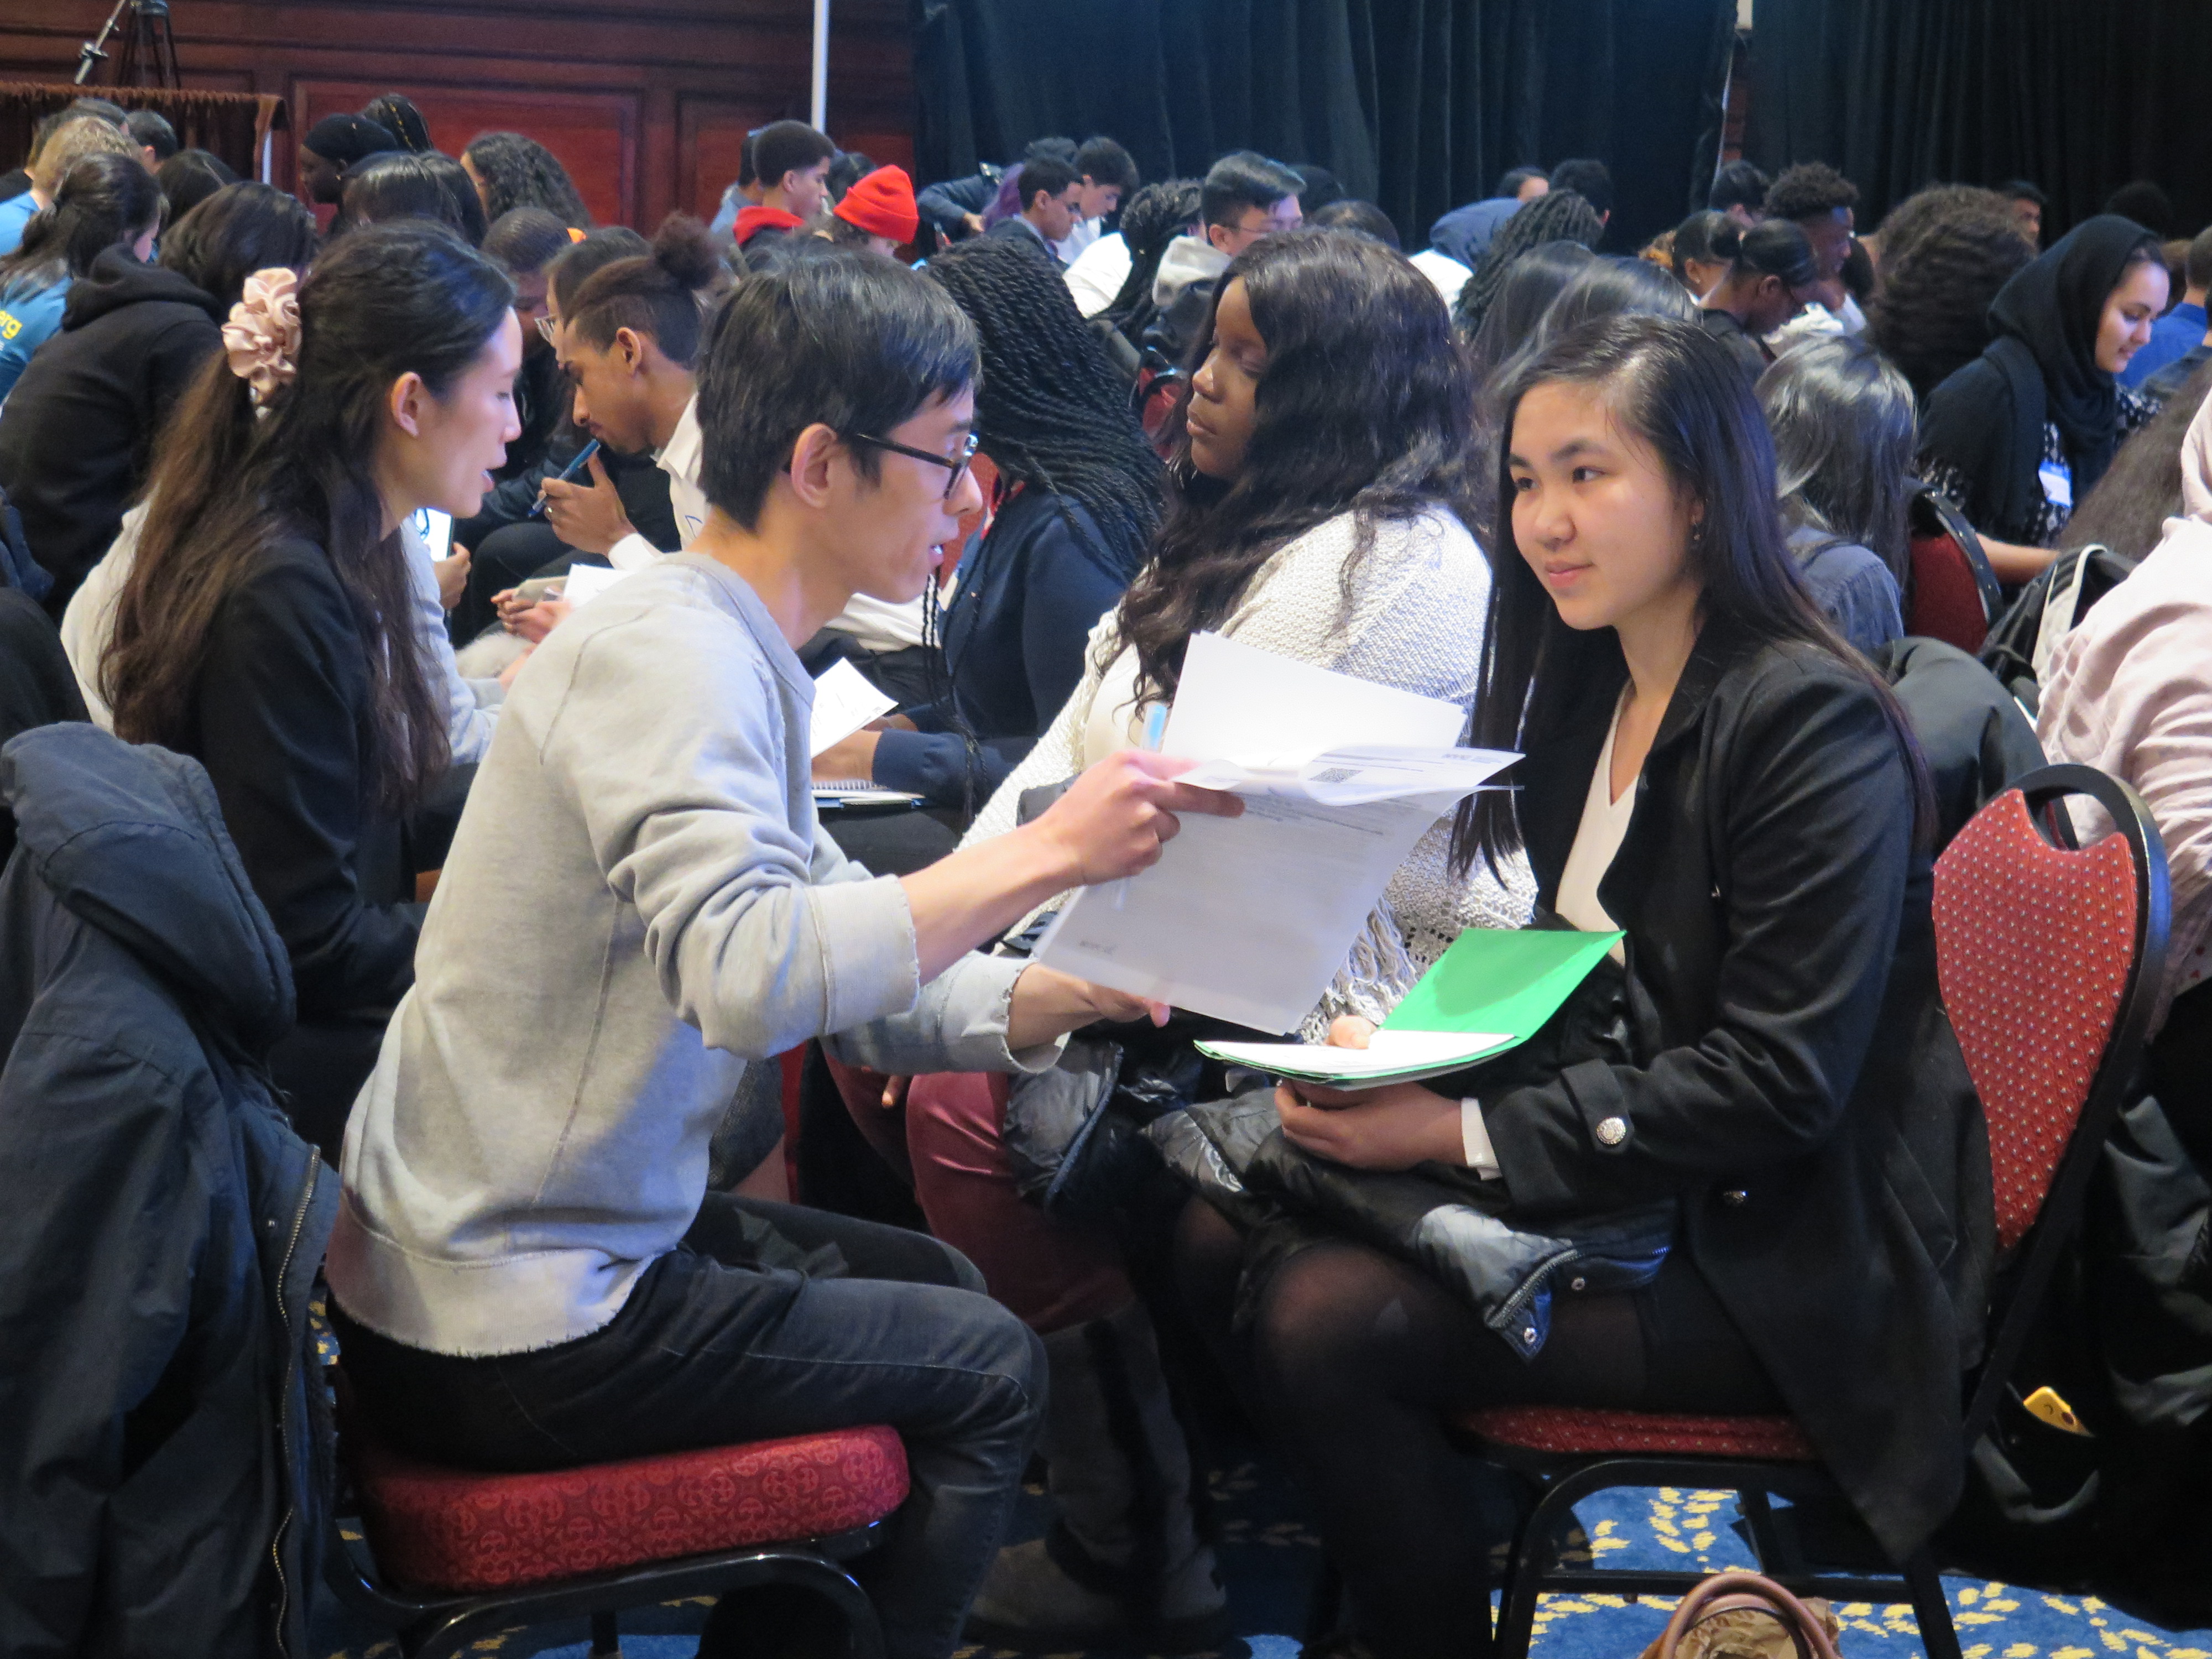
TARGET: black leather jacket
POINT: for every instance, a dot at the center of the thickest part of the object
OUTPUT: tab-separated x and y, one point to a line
1795	1083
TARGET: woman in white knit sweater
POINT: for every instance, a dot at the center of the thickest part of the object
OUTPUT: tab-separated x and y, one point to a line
1317	511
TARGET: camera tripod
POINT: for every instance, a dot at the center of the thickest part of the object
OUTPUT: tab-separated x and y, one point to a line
149	57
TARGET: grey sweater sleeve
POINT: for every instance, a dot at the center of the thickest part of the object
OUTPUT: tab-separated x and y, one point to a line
763	935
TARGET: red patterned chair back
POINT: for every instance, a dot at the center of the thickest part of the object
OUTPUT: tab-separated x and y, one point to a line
2049	959
1952	594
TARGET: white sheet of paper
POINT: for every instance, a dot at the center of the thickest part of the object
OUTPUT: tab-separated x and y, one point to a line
1352	776
586	582
844	701
1249	919
1390	1056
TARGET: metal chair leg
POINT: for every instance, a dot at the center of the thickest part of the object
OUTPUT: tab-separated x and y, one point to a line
1532	1552
1778	1546
606	1637
1939	1637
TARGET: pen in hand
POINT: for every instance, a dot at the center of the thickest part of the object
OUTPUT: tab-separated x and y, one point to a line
565	475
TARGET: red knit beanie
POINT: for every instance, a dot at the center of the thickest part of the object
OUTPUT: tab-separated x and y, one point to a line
882	203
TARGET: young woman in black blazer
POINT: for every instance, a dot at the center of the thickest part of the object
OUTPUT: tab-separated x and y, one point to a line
267	626
1771	1058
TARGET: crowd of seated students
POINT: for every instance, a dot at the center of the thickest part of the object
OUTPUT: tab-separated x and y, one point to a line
1644	520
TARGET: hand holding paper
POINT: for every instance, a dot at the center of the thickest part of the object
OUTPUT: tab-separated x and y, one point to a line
1249	920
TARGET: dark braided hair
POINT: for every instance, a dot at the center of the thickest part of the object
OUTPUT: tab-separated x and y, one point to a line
1154	216
1560	216
520	172
1050	411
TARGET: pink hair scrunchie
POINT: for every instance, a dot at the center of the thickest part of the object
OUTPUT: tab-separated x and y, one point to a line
262	338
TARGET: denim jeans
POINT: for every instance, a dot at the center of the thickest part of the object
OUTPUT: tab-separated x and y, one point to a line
770	1320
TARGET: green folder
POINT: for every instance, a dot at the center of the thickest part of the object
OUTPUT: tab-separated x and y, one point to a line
1494	988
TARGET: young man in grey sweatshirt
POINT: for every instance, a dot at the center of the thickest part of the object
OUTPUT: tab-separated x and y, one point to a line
528	1270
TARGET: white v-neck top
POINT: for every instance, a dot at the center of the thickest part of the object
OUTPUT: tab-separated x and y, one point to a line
1605	821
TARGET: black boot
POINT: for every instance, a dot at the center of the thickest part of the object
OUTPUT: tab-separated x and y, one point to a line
1123	1565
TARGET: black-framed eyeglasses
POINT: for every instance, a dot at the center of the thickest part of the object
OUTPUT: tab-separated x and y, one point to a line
957	464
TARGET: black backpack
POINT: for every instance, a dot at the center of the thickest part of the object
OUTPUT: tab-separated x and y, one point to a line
2021	641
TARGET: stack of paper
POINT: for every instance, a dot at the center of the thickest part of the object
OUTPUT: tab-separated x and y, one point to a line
1249	919
1492	991
844	701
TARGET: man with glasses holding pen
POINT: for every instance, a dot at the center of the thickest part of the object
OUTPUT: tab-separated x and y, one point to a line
528	1270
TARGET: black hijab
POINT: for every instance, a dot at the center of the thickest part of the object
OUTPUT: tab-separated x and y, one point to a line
1987	419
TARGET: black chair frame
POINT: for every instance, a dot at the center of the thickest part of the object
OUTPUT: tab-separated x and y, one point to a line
433	1626
1929	502
1562	1481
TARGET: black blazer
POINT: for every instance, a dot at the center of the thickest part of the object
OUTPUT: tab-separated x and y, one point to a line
280	718
1797	1084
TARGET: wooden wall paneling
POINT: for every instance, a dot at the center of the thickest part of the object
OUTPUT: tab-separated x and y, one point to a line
595	134
638	98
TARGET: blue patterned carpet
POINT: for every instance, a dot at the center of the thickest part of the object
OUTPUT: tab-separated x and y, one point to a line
1270	1561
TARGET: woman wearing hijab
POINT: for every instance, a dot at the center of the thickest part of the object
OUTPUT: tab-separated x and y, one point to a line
2024	431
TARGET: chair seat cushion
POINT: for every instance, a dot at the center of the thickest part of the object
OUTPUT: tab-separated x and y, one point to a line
1567	1432
437	1529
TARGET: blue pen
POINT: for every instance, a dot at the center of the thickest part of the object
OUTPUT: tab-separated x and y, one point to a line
567	473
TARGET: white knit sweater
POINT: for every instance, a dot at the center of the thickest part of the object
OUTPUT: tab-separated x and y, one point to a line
1413	620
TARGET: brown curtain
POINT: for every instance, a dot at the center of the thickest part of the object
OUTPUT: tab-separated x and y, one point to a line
231	124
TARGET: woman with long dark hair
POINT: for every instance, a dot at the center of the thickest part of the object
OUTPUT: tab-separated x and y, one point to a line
1842	418
267	625
1744	1093
2026	429
400	184
511	170
102	201
1317	509
1076	499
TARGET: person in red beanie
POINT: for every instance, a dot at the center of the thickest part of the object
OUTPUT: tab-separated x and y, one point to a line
877	213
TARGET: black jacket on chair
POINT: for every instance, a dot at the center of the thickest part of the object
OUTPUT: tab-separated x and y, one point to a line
1797	1087
77	433
162	1486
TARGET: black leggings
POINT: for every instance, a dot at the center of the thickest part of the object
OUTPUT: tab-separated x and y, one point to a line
1354	1361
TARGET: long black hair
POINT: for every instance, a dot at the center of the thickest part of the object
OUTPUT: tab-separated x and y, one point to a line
1150	220
104	200
1612	286
1845	436
397	183
1365	407
241	229
1050	411
520	172
1561	216
230	481
1677	390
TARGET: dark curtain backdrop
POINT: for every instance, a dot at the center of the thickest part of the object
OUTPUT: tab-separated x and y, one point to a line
1417	105
2078	95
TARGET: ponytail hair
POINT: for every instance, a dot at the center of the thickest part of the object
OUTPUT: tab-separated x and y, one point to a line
1772	248
230	481
662	293
103	201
